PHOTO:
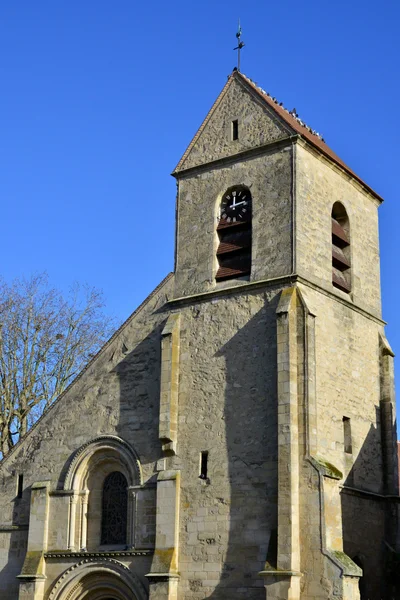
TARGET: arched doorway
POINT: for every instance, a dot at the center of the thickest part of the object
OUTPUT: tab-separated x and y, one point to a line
101	586
99	579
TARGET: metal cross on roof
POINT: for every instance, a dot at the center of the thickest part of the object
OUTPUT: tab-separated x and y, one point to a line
240	44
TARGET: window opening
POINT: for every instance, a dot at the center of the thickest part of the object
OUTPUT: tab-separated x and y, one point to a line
235	130
347	435
341	273
234	233
114	509
203	465
20	485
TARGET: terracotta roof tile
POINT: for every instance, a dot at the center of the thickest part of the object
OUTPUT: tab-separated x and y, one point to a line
296	124
306	132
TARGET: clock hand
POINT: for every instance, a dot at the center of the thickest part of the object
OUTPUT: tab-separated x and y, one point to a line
242	202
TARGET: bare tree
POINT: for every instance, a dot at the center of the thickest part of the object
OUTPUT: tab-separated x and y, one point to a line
45	341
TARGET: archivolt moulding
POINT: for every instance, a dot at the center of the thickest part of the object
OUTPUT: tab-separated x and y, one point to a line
101	445
96	577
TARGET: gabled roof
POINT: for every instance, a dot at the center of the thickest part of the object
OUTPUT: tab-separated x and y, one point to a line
289	118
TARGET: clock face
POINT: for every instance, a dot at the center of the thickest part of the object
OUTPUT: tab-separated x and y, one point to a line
236	206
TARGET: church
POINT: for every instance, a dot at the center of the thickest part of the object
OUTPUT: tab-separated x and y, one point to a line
236	437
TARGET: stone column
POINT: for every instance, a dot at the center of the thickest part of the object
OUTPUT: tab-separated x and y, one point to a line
32	576
388	418
288	438
163	577
84	509
284	581
72	520
168	427
131	516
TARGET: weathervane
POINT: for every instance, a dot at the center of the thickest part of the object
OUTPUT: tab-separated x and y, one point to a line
240	44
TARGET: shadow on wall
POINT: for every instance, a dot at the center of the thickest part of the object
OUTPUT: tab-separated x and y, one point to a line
369	520
241	500
129	399
136	419
139	394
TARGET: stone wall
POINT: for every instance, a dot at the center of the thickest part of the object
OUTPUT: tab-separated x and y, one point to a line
257	125
348	385
227	406
270	181
318	186
117	394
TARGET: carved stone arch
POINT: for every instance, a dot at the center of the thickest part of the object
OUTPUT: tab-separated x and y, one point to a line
84	480
99	579
92	451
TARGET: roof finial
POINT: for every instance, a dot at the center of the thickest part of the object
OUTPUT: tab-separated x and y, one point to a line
240	44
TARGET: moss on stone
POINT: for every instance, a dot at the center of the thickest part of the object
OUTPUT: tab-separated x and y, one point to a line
328	469
349	566
33	563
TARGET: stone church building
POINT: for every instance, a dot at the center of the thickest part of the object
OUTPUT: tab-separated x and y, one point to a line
235	438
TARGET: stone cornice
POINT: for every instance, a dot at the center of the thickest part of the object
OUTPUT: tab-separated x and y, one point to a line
346	489
266	284
111	554
239	157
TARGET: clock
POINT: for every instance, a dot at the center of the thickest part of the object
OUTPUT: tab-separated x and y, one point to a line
236	206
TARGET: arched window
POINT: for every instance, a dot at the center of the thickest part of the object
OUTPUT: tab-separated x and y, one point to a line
114	509
341	267
234	234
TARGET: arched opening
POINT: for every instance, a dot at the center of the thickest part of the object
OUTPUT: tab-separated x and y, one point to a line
341	256
102	476
114	509
234	234
105	579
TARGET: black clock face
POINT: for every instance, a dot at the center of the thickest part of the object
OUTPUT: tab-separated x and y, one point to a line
236	206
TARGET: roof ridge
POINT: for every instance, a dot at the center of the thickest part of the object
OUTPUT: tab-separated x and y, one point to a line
292	113
305	132
290	118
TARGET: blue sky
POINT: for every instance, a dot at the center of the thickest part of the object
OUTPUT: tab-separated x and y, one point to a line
100	99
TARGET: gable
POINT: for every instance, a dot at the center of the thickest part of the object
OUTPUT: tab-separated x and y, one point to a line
118	384
258	124
262	119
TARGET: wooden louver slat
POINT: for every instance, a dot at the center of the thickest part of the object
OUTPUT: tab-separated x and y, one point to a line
339	260
339	281
228	273
339	236
340	257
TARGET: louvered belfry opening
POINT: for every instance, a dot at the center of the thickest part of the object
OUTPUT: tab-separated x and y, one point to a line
341	266
234	233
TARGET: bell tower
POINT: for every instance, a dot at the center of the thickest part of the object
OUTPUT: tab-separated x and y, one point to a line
271	222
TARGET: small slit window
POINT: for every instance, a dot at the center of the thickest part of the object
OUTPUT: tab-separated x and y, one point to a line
341	266
203	465
235	130
348	448
20	485
234	234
